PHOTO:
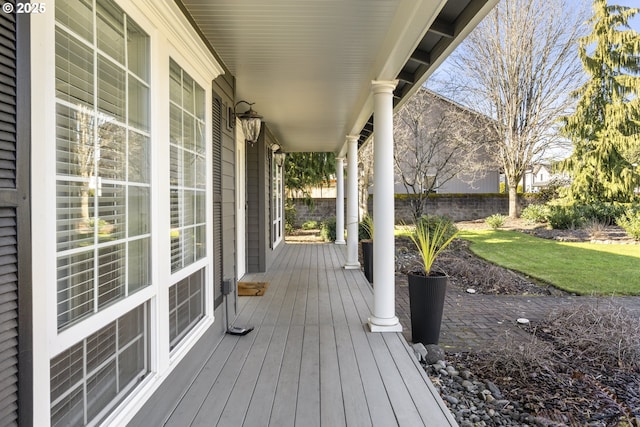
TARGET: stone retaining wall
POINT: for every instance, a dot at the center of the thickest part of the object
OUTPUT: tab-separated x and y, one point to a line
458	207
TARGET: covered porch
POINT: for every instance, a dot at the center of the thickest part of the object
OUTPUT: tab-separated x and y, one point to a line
311	359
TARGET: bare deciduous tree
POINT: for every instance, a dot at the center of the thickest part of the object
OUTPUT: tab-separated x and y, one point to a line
519	66
435	141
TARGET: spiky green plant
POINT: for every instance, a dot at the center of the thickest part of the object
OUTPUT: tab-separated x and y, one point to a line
430	243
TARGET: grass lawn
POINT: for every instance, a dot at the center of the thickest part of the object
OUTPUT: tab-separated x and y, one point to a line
583	268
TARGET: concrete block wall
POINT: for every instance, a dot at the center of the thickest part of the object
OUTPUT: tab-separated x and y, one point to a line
458	207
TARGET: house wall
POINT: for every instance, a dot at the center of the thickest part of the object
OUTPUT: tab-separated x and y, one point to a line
260	247
224	191
177	161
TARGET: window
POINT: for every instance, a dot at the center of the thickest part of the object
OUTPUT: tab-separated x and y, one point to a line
277	207
187	170
102	161
91	377
186	306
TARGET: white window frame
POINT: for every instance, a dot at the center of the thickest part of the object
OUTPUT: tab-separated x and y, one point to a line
277	208
171	35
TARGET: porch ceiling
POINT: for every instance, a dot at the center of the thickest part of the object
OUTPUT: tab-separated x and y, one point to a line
308	64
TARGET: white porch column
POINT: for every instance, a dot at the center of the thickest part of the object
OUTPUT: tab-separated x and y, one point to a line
352	203
384	317
340	201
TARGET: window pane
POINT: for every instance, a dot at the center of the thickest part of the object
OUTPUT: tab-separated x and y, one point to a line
74	142
74	212
111	153
199	102
200	199
139	216
69	412
175	83
138	158
111	212
138	104
188	244
101	346
103	364
77	15
201	173
111	30
188	132
101	389
201	241
187	93
137	50
132	363
74	70
200	138
111	89
139	264
75	287
66	371
175	125
188	169
111	272
186	305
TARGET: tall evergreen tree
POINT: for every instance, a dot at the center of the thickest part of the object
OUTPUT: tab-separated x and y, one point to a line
305	170
605	127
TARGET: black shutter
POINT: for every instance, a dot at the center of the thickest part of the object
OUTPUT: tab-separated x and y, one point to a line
216	137
8	227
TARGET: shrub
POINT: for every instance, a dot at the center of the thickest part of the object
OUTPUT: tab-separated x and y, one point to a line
602	212
535	213
328	230
630	221
290	215
310	225
564	217
495	220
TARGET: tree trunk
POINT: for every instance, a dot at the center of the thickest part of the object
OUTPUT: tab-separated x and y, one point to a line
514	212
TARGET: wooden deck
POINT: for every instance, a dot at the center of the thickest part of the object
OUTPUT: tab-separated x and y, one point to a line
309	362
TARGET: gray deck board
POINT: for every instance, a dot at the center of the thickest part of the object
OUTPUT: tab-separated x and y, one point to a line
310	360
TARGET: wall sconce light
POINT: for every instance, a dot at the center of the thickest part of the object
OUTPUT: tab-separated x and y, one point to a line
279	157
250	121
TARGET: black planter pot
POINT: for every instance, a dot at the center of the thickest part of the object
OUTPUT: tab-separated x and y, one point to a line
367	259
426	302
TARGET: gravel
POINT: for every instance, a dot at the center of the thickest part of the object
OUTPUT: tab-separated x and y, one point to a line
475	403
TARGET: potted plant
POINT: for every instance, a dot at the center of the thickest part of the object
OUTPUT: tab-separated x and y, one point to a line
366	243
427	288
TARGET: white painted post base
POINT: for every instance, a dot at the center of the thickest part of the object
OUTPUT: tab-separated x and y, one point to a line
384	325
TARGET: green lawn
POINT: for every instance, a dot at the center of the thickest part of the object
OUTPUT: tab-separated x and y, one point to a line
583	268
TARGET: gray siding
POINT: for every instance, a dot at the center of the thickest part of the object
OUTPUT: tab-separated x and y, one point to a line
255	193
15	287
260	250
225	184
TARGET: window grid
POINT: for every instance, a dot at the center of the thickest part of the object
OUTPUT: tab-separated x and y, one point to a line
99	170
187	170
186	306
277	200
77	369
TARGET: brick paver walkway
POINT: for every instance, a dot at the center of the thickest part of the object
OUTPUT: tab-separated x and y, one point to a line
476	322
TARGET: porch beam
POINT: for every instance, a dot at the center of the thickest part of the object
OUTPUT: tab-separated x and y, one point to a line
421	56
340	201
443	28
383	318
352	203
